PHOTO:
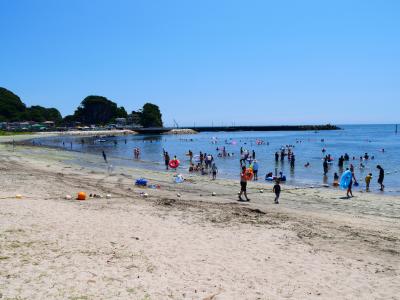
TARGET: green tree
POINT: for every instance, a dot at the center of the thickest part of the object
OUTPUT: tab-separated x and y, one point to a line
121	112
97	110
40	114
150	116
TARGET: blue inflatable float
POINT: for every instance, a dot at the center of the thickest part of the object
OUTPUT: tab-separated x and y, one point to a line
346	179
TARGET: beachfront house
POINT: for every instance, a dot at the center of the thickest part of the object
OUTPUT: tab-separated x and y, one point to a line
49	124
120	123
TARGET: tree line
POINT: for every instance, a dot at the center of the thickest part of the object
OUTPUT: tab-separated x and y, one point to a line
93	110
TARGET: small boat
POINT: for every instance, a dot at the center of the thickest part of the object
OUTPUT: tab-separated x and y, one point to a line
100	141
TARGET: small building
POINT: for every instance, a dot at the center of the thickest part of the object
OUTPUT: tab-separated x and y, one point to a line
49	124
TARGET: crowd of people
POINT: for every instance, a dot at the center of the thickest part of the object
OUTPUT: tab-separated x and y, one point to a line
204	164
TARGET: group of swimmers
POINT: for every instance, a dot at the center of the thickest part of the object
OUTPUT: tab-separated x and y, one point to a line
286	152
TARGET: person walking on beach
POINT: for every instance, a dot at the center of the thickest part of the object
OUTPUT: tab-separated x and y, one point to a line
104	156
243	184
381	177
166	159
350	187
277	190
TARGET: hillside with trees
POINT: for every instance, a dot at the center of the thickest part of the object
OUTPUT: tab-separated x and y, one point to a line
96	110
149	116
93	110
12	109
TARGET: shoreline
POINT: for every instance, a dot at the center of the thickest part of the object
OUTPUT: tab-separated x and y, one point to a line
145	164
312	245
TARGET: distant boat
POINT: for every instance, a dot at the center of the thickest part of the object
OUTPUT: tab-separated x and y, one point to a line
100	141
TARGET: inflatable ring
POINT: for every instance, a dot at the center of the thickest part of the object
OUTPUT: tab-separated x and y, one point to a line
249	174
174	163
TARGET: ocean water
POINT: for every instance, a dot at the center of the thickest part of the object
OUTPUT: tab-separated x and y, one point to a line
356	140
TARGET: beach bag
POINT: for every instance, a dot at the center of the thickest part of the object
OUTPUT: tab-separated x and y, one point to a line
141	182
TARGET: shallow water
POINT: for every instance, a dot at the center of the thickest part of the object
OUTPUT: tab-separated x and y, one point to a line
353	139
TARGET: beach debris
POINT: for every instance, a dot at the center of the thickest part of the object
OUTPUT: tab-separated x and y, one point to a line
214	194
144	195
18	196
81	196
108	196
179	178
154	186
68	197
178	195
261	191
95	196
141	182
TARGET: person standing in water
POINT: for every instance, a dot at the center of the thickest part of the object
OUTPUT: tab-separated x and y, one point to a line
325	165
214	170
381	177
104	156
255	169
243	184
368	181
276	156
190	156
166	159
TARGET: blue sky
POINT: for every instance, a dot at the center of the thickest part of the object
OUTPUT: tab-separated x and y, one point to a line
248	62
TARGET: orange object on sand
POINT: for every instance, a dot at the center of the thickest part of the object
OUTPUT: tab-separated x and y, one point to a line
81	196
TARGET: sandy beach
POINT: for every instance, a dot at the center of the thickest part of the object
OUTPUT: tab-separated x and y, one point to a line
314	245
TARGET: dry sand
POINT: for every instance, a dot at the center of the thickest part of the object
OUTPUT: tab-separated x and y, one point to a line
314	245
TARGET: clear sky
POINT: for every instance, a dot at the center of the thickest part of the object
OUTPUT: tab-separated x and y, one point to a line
248	62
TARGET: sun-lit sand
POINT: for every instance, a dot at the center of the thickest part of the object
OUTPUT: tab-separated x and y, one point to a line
314	245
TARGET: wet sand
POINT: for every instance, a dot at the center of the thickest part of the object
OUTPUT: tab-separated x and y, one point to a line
314	245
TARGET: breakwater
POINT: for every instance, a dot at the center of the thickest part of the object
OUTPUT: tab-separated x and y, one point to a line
241	128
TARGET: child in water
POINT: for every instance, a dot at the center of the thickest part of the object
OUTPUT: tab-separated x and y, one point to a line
336	179
277	191
368	181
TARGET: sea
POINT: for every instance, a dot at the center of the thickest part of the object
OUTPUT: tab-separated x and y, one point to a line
380	142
